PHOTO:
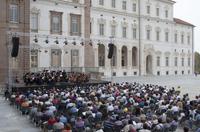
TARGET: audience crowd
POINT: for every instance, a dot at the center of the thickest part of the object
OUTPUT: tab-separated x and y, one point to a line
124	107
49	77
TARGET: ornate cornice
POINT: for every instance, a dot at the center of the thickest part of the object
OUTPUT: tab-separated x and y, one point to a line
115	12
66	2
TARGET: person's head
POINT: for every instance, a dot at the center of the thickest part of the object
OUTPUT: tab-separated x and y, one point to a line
145	126
185	129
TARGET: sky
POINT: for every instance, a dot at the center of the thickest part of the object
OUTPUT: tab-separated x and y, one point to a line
189	10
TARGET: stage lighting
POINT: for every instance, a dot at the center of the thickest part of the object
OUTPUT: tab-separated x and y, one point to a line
74	42
47	41
65	42
57	42
35	39
82	43
90	43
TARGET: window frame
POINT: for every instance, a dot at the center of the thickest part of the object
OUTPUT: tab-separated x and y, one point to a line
77	25
59	15
14	14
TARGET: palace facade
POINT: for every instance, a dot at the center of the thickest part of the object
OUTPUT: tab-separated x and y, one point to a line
74	35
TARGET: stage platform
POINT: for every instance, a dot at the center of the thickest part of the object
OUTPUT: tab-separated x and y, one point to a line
62	85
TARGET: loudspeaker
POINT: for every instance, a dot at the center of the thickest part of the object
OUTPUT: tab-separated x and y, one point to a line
15	48
110	51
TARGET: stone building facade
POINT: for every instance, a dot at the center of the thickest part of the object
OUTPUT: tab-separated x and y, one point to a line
74	34
147	38
14	17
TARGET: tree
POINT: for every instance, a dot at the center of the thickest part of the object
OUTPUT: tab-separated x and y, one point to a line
197	62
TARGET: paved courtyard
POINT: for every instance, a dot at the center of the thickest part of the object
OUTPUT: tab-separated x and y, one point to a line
13	121
188	84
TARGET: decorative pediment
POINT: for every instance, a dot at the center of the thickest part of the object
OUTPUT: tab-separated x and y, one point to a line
182	54
176	54
149	49
134	25
158	29
35	10
124	24
148	27
35	46
113	22
101	21
166	30
158	52
167	53
54	47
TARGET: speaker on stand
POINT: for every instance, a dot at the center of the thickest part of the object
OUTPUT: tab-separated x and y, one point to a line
15	47
110	50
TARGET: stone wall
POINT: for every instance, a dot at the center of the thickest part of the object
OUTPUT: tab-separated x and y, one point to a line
21	63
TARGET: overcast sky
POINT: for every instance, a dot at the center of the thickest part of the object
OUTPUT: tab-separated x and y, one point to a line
189	10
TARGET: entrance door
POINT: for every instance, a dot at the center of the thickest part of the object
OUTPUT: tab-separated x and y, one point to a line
74	58
149	65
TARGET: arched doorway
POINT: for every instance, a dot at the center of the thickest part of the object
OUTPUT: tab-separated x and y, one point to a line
134	56
124	56
114	57
149	65
101	55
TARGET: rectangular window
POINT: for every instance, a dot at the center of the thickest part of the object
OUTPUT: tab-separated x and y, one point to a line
175	37
124	32
101	2
148	9
113	4
75	25
158	35
167	61
166	13
166	36
158	60
182	61
176	61
157	12
188	39
34	22
182	39
124	5
56	22
134	7
134	33
55	57
75	58
34	58
101	29
113	31
14	13
148	34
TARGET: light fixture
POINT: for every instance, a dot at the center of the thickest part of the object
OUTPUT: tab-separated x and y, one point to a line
47	41
74	41
90	43
56	41
65	42
82	43
98	42
35	39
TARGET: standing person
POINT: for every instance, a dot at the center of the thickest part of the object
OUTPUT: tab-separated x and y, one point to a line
6	94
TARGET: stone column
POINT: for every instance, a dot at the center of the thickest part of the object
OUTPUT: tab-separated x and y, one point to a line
129	59
119	58
96	53
89	51
107	61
